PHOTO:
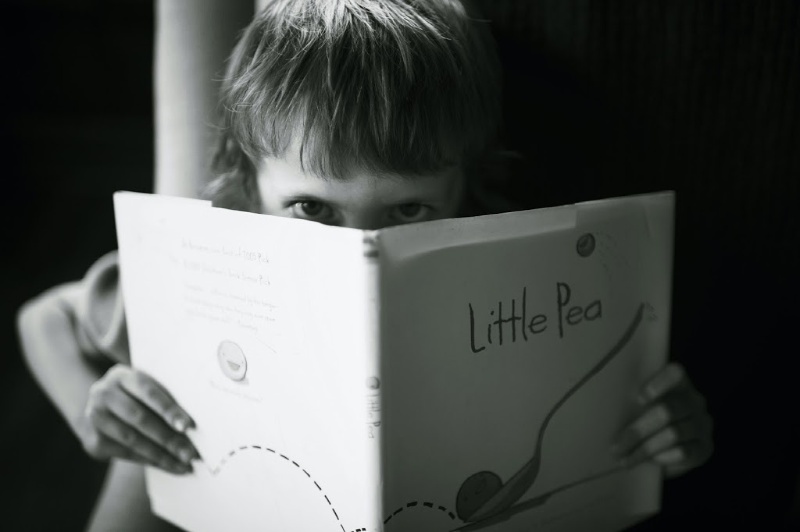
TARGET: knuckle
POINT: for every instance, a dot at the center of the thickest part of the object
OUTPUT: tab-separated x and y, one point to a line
677	372
95	416
117	372
679	455
154	397
140	380
91	446
149	392
88	445
103	393
99	389
91	451
96	385
662	414
133	412
670	436
673	377
128	437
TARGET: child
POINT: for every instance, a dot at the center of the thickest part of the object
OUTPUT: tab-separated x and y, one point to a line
359	113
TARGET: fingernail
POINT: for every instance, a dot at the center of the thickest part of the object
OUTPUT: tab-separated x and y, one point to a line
180	423
186	455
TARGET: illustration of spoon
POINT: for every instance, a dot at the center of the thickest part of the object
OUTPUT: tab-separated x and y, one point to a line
533	503
483	494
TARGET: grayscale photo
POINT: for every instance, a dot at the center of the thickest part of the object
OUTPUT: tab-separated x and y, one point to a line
401	266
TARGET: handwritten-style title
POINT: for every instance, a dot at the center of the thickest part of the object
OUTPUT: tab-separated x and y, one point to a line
513	323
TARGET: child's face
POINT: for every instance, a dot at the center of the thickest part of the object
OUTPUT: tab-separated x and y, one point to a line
362	201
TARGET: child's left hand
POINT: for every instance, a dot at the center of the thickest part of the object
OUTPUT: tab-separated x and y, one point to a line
673	428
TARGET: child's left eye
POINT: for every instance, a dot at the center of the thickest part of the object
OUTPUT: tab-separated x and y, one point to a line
311	210
411	212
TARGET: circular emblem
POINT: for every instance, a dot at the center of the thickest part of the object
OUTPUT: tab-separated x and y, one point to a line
232	360
585	245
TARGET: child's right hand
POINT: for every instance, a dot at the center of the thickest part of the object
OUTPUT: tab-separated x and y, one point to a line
130	415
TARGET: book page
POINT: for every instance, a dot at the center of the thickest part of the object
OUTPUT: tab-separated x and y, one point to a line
513	348
255	325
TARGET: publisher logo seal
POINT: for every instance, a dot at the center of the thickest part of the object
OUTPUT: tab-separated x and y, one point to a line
232	360
585	245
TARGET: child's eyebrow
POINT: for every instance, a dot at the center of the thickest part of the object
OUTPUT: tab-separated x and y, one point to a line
304	196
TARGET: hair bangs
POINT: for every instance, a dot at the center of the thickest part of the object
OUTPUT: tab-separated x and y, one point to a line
396	87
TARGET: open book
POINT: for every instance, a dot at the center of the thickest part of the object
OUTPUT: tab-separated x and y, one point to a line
464	374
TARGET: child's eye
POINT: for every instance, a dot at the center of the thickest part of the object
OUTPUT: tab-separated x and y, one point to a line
410	212
311	210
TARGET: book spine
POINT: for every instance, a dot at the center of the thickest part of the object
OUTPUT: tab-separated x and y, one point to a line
374	382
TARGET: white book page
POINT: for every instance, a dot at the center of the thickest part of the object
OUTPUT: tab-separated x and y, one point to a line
513	432
255	324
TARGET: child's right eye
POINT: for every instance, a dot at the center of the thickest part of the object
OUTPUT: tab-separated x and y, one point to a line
311	210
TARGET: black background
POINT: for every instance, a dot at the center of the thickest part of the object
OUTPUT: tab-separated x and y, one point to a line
603	98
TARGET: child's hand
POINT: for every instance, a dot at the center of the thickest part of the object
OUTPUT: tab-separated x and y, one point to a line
129	415
673	429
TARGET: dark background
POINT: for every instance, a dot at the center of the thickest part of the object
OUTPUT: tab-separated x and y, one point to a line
602	98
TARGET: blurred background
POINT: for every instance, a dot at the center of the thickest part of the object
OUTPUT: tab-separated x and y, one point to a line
602	98
77	125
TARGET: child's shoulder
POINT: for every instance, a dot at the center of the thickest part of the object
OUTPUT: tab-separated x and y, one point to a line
99	310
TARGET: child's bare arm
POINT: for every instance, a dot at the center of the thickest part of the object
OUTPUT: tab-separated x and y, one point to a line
115	412
45	326
193	40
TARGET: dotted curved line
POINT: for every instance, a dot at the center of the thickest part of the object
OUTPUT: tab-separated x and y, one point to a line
214	471
417	504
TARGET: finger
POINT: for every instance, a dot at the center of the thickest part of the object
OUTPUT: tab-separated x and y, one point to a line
671	457
139	416
108	448
157	398
101	447
651	421
687	456
665	439
669	378
673	408
115	429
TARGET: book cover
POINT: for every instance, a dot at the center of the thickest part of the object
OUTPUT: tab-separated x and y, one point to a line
462	374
